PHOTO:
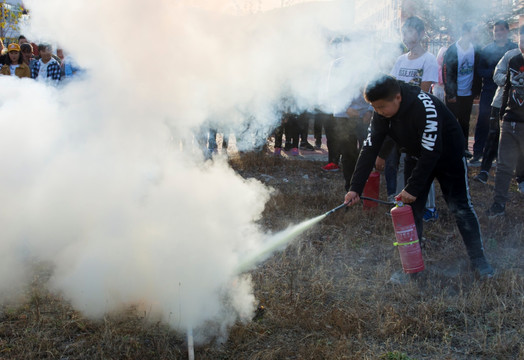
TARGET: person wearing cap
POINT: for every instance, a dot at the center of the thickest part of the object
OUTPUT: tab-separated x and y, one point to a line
15	65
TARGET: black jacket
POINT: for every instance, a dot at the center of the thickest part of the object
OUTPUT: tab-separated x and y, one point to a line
450	70
489	57
424	128
513	96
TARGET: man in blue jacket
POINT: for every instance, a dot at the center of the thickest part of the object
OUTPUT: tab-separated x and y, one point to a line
489	57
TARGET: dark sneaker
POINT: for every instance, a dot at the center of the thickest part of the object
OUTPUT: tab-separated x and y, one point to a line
482	268
467	154
496	210
482	177
475	162
288	146
430	215
318	145
294	152
306	146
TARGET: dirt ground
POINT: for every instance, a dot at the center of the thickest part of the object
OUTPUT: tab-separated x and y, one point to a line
328	294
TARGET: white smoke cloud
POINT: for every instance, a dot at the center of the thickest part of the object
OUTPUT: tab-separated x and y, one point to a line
93	179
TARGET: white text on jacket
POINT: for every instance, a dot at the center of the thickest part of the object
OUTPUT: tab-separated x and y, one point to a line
430	131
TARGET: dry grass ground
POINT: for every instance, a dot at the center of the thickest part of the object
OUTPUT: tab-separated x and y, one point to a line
327	296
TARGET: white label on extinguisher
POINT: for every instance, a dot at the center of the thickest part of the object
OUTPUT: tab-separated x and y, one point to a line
406	233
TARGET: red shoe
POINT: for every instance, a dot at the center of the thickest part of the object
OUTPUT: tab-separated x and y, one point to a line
331	167
294	151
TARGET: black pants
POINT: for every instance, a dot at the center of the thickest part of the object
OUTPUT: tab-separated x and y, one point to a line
289	127
453	180
303	124
331	139
319	122
492	142
462	111
343	142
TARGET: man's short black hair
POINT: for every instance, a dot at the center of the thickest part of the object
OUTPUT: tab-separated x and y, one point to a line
503	23
25	47
44	47
385	87
21	37
414	22
467	27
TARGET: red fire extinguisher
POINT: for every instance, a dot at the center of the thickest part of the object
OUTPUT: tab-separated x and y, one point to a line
407	239
371	190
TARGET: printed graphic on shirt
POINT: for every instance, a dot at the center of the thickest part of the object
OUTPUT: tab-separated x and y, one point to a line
465	68
414	74
517	85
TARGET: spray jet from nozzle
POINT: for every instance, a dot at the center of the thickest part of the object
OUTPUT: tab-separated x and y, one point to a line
281	239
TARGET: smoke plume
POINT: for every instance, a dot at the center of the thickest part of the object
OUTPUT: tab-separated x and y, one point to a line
104	178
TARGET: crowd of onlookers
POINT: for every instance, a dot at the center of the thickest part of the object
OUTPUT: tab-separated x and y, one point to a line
25	59
459	74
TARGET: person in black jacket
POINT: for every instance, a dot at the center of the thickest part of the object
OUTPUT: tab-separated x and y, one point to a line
425	128
489	57
511	143
461	80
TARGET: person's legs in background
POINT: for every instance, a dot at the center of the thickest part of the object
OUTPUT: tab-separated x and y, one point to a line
332	144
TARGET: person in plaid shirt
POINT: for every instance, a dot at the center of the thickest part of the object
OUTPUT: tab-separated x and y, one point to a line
47	69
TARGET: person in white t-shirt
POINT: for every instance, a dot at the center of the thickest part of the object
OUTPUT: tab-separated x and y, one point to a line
420	68
461	81
47	69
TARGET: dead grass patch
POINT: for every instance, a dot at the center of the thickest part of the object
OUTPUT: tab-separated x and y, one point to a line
327	296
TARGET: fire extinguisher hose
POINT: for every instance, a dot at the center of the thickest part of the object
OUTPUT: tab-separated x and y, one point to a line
399	203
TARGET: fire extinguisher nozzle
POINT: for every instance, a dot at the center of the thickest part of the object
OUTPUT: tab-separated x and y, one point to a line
342	206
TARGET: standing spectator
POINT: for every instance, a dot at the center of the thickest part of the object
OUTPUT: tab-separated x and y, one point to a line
3	54
511	145
348	121
420	68
47	69
438	87
489	57
492	143
303	123
319	122
22	40
461	81
69	66
27	54
15	65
